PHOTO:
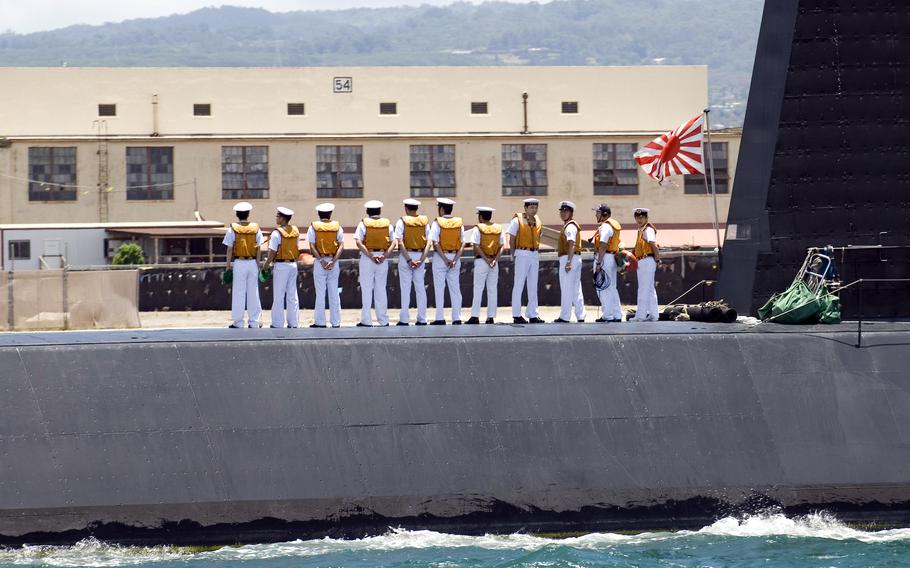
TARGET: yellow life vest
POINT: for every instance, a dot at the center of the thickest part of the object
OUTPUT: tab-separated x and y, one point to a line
564	246
528	237
288	250
415	232
377	234
449	233
326	237
642	247
245	240
613	243
489	238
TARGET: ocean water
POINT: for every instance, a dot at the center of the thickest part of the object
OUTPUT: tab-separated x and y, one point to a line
763	540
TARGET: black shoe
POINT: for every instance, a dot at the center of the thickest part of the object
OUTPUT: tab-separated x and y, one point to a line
471	321
536	320
382	325
456	322
491	320
438	322
560	320
421	323
403	324
361	324
232	326
273	326
519	319
292	327
317	326
614	321
336	326
601	320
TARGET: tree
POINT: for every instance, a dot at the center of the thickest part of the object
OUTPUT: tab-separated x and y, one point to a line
127	254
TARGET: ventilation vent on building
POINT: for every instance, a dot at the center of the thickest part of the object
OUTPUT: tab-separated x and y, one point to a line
296	109
478	108
107	110
202	109
570	107
388	108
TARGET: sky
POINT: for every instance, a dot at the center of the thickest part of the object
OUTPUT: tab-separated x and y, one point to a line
25	16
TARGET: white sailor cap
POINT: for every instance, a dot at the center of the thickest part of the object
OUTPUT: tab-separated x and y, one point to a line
485	209
286	212
243	206
325	207
445	201
411	202
532	201
373	204
567	205
641	211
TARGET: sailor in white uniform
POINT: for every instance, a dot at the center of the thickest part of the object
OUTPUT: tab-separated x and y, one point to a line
326	238
488	240
411	235
524	243
375	239
447	236
606	245
284	251
648	255
569	253
242	240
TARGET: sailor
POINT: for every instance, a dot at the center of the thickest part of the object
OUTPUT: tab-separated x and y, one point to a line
524	243
489	240
326	238
283	253
447	236
569	252
606	246
648	255
242	241
375	239
411	233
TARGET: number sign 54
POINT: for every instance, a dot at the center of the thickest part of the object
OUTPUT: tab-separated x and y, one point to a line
343	85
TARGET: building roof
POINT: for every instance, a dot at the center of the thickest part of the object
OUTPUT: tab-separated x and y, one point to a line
183	225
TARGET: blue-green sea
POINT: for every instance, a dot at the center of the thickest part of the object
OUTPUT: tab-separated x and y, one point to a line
765	540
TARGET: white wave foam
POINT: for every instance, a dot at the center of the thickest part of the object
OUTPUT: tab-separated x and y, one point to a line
92	553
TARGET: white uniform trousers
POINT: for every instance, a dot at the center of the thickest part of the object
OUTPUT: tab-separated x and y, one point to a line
647	294
526	269
444	276
373	279
489	277
245	292
408	276
611	309
570	289
284	294
327	281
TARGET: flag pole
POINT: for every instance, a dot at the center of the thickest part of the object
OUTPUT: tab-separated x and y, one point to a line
713	189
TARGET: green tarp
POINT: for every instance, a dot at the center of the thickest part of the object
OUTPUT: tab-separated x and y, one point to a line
800	306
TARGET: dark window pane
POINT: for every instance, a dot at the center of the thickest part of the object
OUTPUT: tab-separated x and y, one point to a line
244	172
524	169
478	108
202	109
615	170
296	109
570	107
339	171
150	173
107	110
52	173
388	108
433	170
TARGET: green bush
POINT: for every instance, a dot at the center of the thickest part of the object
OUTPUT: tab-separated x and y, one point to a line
128	253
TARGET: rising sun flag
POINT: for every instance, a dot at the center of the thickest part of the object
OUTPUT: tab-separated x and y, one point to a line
677	152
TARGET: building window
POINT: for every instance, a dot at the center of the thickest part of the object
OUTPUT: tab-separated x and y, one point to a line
433	170
202	109
296	109
20	250
150	172
524	169
479	108
244	172
388	108
51	173
339	171
107	110
615	170
695	184
570	107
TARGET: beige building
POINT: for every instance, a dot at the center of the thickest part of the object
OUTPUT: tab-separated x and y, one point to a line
138	145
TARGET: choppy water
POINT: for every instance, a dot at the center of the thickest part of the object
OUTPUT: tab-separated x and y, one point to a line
768	540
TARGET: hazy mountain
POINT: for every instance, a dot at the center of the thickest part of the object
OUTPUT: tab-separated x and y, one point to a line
719	33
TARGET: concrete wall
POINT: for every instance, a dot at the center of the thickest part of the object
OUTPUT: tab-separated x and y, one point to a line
203	436
386	176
